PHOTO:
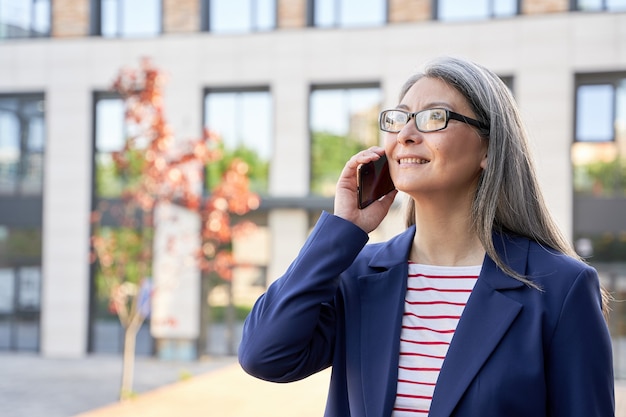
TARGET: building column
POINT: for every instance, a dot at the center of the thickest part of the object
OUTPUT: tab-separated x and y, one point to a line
66	214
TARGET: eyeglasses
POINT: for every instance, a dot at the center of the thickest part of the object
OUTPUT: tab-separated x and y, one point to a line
430	120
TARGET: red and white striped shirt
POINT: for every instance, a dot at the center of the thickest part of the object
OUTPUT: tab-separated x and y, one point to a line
435	299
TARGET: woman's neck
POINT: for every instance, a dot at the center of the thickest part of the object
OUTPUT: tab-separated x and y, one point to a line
445	237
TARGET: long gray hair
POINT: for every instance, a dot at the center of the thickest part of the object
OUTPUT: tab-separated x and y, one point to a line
508	197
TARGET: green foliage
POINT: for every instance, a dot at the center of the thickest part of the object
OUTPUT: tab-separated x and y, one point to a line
109	184
110	180
127	259
218	313
329	153
601	178
258	168
21	244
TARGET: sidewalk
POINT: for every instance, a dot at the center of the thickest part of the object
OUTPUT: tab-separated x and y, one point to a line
227	392
35	386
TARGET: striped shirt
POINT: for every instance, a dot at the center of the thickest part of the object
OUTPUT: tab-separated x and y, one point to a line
435	299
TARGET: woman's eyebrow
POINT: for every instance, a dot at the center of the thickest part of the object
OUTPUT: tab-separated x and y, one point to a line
431	105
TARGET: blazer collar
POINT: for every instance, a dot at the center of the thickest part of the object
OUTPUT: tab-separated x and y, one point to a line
488	314
395	251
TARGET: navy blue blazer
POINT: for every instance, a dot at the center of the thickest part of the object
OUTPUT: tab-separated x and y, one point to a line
517	351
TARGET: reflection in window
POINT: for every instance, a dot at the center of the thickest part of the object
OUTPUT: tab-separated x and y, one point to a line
243	119
599	153
24	18
239	16
599	169
343	121
119	18
349	13
110	137
599	5
7	290
20	288
22	139
453	10
594	113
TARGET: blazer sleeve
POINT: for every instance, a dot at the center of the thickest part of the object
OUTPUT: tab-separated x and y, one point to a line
580	367
290	331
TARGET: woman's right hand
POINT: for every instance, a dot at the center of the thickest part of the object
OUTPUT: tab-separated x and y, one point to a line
346	205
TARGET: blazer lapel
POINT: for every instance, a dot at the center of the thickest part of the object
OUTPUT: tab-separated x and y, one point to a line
487	316
382	304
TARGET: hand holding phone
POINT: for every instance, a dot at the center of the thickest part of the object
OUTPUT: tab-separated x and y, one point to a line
373	181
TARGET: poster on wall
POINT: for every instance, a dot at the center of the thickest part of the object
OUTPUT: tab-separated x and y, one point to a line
175	312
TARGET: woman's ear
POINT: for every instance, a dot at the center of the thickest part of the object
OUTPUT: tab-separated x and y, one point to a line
483	162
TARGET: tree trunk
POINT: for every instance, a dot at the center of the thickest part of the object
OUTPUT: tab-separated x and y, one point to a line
205	316
230	320
128	360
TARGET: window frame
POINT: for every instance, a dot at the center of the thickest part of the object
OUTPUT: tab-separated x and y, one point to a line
608	78
24	147
587	206
336	87
205	18
31	33
604	7
241	90
310	16
96	21
23	212
490	15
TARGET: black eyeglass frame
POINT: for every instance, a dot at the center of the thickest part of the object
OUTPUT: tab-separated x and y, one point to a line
484	128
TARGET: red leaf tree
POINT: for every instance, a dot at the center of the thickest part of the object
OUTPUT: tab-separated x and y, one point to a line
157	168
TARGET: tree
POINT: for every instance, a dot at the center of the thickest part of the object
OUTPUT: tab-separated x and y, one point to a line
159	169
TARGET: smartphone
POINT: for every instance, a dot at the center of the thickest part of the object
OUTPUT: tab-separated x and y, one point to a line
373	181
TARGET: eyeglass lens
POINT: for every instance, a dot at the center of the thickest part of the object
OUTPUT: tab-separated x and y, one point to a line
426	121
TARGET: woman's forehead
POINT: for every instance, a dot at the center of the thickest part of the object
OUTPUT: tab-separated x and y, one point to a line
434	92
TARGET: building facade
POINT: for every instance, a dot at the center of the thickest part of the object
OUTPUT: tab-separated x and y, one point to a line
300	83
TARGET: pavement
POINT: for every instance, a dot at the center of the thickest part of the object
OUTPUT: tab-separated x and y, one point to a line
34	386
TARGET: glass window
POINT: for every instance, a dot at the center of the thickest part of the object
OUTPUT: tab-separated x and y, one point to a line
599	171
243	119
20	287
239	16
343	121
599	5
454	10
595	112
110	137
119	18
7	290
599	151
349	13
24	18
111	131
22	139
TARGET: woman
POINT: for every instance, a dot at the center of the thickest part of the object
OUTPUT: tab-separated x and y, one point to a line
480	308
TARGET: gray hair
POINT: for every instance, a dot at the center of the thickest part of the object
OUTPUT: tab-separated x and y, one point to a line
508	197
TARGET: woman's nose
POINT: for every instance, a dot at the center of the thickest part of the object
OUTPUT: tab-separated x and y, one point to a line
409	134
